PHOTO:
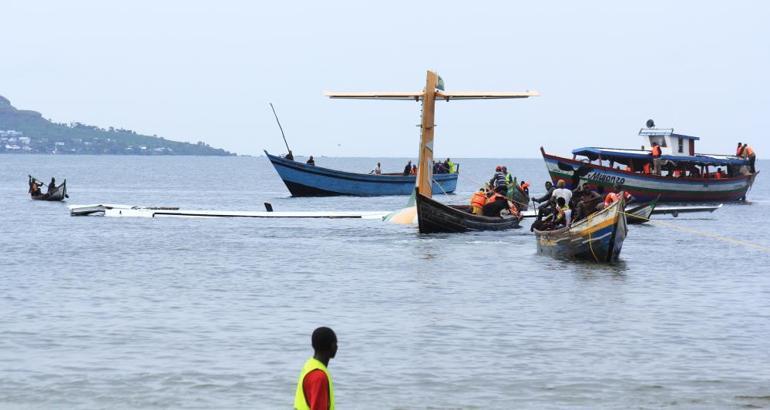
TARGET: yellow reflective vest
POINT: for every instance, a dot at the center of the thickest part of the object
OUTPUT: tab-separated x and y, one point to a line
300	402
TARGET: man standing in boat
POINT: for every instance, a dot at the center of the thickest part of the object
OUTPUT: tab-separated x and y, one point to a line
656	153
408	168
310	161
315	389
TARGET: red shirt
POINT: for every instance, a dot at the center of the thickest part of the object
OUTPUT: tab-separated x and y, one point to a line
316	388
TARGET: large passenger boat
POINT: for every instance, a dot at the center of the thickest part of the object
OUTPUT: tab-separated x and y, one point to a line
683	176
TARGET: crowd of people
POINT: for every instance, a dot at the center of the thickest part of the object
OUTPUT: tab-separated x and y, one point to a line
495	198
560	207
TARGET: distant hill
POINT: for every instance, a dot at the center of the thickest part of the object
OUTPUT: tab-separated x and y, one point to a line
24	131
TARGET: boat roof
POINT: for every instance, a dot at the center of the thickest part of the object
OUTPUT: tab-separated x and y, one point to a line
665	132
617	154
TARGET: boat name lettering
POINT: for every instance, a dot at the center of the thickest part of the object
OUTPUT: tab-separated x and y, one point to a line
610	179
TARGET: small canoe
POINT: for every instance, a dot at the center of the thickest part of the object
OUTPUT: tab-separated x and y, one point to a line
311	180
435	217
599	237
641	213
59	193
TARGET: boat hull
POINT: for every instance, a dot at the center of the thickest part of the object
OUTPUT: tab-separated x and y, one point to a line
598	238
435	217
645	187
58	194
641	213
304	180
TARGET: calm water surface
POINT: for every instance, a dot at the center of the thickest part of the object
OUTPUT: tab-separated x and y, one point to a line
217	313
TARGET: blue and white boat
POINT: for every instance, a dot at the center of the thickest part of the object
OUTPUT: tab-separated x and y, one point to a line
311	180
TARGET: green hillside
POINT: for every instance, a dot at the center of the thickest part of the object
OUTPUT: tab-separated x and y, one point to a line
24	131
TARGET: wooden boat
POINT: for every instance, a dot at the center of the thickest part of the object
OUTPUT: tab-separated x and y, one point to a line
59	193
311	180
598	166
641	213
435	217
599	237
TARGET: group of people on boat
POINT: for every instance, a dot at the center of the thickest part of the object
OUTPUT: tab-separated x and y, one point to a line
498	196
560	207
746	152
35	185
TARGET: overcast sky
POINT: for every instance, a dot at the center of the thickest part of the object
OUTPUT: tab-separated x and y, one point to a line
192	70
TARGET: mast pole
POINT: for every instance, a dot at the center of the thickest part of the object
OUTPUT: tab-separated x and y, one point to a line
280	128
425	170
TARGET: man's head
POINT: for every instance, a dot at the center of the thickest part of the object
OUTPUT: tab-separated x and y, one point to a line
324	342
561	183
548	185
561	201
505	169
498	168
739	144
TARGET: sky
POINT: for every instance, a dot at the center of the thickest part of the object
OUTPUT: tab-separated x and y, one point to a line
195	70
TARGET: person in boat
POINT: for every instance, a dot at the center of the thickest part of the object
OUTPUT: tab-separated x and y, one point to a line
587	203
34	187
562	214
508	176
310	161
719	174
497	203
315	389
739	150
615	195
544	201
413	171
478	200
749	153
451	166
377	169
52	185
562	192
289	156
408	168
498	178
524	187
656	152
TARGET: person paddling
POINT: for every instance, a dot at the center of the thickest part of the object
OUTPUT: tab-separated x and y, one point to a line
315	389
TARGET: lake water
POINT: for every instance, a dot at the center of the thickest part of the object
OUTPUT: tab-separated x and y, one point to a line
217	313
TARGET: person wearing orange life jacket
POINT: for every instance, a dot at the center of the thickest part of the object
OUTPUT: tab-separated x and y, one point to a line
656	152
748	152
646	168
497	203
739	150
478	200
524	187
719	174
676	173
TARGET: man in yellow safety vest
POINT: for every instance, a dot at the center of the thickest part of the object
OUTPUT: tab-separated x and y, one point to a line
315	390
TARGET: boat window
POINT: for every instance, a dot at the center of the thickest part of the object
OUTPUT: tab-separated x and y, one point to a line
681	144
659	139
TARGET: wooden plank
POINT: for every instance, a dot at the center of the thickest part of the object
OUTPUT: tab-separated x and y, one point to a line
484	95
385	95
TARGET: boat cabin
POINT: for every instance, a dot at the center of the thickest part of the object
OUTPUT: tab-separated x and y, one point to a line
670	143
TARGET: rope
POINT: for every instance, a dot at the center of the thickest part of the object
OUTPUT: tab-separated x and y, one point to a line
718	237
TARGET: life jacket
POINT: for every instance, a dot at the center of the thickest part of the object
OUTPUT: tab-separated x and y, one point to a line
656	152
677	173
718	175
494	197
300	401
508	178
452	167
646	168
610	198
524	186
478	199
739	151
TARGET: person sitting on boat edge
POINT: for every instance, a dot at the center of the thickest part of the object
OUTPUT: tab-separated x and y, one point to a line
615	195
739	150
289	156
310	161
414	170
408	168
586	205
544	200
34	187
377	170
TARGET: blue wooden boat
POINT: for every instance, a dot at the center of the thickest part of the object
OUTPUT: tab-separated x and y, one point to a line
311	180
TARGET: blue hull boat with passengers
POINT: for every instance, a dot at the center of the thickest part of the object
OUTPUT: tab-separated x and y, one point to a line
311	180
